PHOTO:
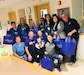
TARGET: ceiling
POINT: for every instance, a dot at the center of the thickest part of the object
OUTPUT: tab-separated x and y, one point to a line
7	3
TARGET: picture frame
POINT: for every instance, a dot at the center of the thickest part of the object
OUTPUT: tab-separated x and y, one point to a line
63	10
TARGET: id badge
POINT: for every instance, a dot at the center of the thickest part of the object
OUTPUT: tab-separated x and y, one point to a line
48	28
16	33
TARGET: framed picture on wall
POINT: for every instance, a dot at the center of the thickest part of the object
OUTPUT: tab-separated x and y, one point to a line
63	10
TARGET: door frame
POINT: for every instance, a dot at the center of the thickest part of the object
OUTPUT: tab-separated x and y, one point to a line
9	15
35	7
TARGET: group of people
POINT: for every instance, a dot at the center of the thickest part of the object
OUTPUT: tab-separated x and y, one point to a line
40	40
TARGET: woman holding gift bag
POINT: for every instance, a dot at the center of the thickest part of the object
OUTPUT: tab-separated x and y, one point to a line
57	27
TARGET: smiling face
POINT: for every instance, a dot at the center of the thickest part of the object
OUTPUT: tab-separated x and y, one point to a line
13	25
39	33
55	19
50	38
18	40
42	21
47	17
39	40
64	17
31	35
32	23
22	21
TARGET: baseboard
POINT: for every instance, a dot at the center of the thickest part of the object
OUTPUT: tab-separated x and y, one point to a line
79	59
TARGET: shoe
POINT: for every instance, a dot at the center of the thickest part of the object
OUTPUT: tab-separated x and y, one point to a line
59	69
71	63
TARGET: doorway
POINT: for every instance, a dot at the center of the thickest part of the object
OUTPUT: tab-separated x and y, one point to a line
41	10
12	16
21	13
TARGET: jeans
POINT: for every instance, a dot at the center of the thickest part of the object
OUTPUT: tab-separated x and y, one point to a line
56	56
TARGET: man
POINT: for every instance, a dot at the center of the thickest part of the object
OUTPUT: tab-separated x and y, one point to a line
30	47
71	28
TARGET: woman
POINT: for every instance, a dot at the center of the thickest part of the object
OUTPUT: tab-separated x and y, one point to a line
33	28
23	26
18	48
58	27
41	25
48	24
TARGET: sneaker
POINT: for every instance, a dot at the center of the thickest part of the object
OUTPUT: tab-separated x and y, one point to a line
71	63
59	69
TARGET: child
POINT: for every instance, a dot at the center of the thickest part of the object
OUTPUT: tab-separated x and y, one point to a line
53	51
39	47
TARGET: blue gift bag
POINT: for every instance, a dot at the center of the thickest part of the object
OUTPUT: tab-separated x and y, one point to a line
25	58
8	39
47	63
59	42
69	46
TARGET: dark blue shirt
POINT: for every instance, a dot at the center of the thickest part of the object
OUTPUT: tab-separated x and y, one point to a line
15	33
31	46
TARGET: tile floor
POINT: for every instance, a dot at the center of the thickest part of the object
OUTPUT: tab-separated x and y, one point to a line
75	69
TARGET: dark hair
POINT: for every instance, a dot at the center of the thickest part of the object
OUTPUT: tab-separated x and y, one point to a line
13	23
49	16
42	19
53	17
51	35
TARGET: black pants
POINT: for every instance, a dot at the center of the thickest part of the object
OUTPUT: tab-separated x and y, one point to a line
34	58
39	54
73	57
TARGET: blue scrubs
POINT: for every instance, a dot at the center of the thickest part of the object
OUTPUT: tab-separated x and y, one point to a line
19	49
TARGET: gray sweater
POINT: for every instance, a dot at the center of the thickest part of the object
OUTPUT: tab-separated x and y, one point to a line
52	48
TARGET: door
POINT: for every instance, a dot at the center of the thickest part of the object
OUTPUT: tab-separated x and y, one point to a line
12	16
21	13
41	10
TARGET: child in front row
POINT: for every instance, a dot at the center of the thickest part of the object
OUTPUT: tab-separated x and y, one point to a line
53	51
39	49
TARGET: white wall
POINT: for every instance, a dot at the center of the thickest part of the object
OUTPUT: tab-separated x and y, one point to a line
3	16
74	5
23	5
77	11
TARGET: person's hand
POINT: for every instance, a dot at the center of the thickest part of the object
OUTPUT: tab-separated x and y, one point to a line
55	33
21	57
42	29
46	53
30	58
39	45
61	56
46	34
70	34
